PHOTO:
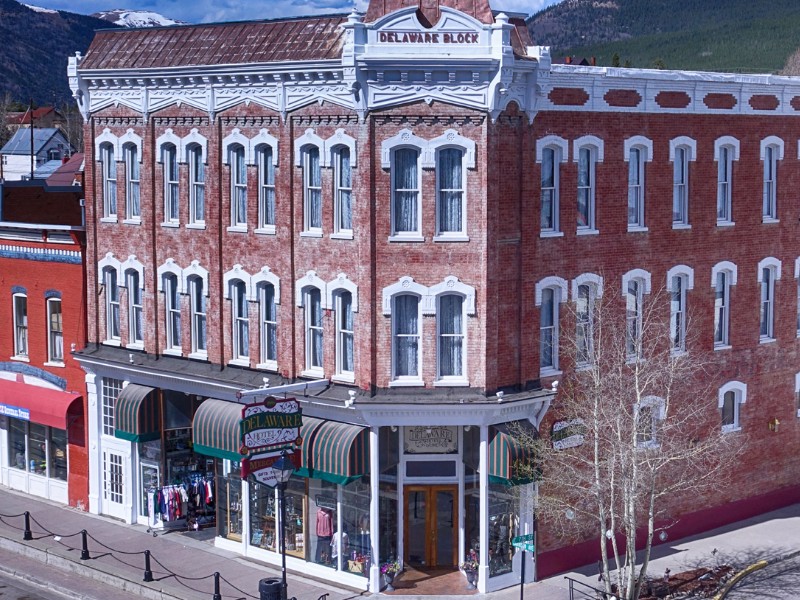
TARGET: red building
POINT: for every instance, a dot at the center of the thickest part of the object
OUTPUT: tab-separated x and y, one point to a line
43	432
383	217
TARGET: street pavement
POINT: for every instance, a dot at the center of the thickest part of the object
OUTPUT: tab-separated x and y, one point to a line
183	566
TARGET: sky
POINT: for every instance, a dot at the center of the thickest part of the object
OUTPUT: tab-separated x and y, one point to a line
210	11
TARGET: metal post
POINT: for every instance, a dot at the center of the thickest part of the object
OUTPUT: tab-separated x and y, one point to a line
27	535
522	576
217	595
85	545
282	513
148	573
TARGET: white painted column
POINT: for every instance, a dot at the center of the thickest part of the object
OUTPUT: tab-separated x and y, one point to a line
374	514
93	435
483	572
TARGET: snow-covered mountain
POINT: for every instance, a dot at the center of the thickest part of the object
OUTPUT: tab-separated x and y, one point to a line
135	18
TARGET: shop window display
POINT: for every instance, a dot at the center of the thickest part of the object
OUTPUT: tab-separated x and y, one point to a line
229	502
323	519
356	524
37	449
387	499
503	526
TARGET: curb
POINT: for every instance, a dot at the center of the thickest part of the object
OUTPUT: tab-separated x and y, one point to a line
752	569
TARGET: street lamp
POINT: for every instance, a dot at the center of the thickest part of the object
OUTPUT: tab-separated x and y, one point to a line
283	469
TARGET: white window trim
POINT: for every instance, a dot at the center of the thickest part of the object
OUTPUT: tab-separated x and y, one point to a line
552	282
641	142
131	264
405	138
772	262
130	218
167	182
731	270
239	356
130	137
23	356
450	139
262	284
775	141
170	266
733	144
552	141
108	262
339	373
133	344
461	235
265	275
559	296
686	271
263	138
260	144
339	138
170	347
195	270
109	216
308	369
194	222
645	146
50	359
452	380
726	140
194	137
234	225
237	273
740	397
596	148
406	380
690	145
659	406
774	265
310	279
110	338
340	233
107	138
778	146
405	285
333	287
591	279
169	137
725	265
309	138
560	148
406	236
636	274
236	137
190	274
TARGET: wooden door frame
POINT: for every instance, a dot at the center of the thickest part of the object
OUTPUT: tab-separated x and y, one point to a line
431	520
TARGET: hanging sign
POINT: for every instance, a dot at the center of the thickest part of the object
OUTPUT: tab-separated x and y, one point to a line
260	465
273	422
431	440
568	434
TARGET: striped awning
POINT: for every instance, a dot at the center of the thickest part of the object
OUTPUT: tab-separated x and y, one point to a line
505	450
333	451
216	429
138	418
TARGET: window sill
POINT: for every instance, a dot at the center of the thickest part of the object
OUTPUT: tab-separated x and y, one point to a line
549	372
725	223
239	362
132	222
406	238
681	226
135	346
236	229
198	356
588	232
270	365
451	383
116	343
344	378
767	340
170	224
268	230
21	358
108	219
316	373
407	383
55	363
451	238
195	225
637	229
676	353
551	234
718	347
731	428
767	220
173	352
342	235
311	234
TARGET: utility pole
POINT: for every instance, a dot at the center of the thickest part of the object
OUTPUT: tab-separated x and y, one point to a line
30	112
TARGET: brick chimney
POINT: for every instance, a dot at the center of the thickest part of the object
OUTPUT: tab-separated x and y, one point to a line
428	11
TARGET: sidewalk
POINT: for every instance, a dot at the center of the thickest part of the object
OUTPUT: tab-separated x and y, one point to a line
194	561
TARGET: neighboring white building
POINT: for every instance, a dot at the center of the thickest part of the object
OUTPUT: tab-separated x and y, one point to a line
15	157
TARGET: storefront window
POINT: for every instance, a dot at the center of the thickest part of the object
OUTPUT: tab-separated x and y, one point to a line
16	444
355	523
387	499
229	500
323	520
263	511
30	450
296	517
472	501
503	526
37	448
58	454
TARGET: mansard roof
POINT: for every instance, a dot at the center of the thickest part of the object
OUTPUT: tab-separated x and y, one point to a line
282	40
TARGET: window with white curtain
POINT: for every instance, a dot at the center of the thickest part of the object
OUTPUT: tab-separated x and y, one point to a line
584	323
268	317
55	327
135	309
314	329
769	205
451	347
312	189
586	188
636	189
20	325
266	188
172	306
238	171
112	303
634	299
550	188
109	171
198	309
548	329
406	337
724	184
169	156
732	396
680	186
240	320
450	217
722	294
767	316
677	313
197	185
405	192
343	191
133	205
345	351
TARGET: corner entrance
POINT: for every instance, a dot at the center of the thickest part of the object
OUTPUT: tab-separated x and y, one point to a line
431	526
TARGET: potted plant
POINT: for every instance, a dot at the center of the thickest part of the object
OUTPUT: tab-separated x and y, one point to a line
389	569
470	568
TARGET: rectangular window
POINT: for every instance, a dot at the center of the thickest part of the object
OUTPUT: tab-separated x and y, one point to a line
677	316
343	177
405	192
269	325
132	182
405	326
111	390
345	359
633	317
135	309
112	304
769	203
172	303
171	198
312	189
548	330
198	307
55	340
767	304
20	325
450	320
721	309
109	170
730	411
238	186
450	213
197	186
241	321
314	329
549	189
266	188
680	187
584	320
635	188
586	177
724	184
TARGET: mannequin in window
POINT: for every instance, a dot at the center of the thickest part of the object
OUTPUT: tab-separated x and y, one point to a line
324	533
335	545
363	534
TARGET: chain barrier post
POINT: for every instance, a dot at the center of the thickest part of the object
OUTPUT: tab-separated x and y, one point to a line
217	595
27	535
85	545
148	574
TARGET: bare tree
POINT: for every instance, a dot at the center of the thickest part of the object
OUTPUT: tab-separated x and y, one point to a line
73	124
637	428
5	108
792	66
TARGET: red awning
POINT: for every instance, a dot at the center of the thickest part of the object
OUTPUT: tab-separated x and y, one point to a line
39	405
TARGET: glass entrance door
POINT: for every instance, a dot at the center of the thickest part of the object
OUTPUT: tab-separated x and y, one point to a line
431	525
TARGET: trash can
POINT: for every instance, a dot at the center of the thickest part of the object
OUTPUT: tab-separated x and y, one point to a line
271	589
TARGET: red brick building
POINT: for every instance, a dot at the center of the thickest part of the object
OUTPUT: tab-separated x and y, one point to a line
382	215
43	433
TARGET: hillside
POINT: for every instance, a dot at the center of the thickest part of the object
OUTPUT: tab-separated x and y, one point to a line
713	35
135	18
35	48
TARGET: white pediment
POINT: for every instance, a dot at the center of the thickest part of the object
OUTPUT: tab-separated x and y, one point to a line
402	30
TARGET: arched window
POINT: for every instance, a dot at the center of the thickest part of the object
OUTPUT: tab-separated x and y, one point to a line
345	332
197	184
135	309
343	191
266	188
197	298
731	397
314	329
112	303
635	284
133	206
585	292
726	150
638	151
723	276
550	292
312	189
172	307
769	271
451	346
55	340
268	321
679	280
451	197
169	159
682	151
771	153
406	329
588	152
109	171
21	325
238	171
240	321
406	218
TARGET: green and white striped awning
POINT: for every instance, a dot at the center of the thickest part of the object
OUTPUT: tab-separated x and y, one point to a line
138	416
505	451
333	451
216	430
